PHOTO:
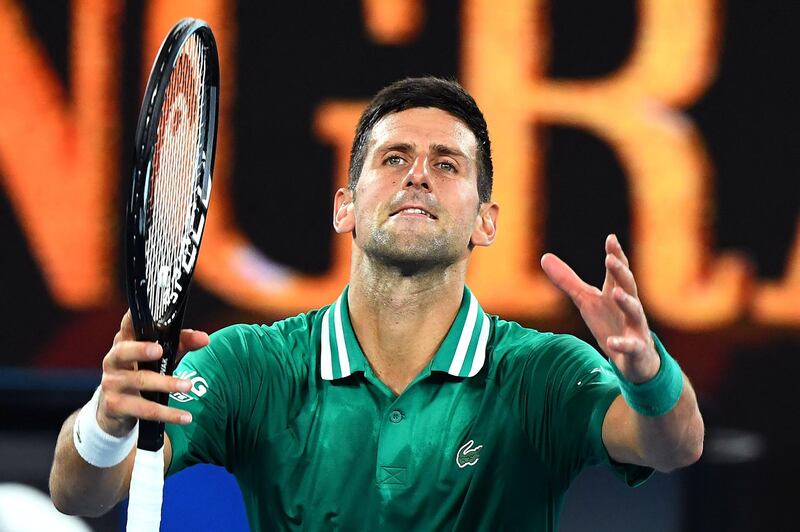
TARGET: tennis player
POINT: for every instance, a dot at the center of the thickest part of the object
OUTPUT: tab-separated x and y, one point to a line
402	405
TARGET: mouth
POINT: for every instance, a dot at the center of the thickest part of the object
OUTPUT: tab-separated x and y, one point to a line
413	211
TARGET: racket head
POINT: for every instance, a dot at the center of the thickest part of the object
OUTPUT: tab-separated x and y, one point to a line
171	184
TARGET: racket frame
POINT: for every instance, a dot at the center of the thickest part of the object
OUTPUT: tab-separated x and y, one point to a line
166	332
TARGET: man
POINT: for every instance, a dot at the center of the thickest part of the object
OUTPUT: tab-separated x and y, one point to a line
403	405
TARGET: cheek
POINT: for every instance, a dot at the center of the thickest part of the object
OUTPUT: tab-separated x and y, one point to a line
370	189
466	205
366	209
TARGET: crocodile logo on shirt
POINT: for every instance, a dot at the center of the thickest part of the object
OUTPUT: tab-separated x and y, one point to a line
199	386
468	455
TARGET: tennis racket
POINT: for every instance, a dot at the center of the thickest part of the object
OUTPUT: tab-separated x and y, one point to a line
165	216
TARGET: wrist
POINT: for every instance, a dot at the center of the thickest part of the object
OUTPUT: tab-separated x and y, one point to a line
644	372
113	426
96	446
659	394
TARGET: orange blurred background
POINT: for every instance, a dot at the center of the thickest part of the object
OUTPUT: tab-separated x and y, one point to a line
669	122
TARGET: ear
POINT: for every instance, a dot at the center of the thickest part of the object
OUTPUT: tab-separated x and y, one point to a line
485	229
344	219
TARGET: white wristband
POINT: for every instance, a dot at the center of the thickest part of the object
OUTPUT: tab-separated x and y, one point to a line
95	445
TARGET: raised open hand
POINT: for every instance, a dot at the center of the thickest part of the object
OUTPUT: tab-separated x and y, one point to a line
614	314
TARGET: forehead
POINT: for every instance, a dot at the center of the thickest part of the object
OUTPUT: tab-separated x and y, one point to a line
424	126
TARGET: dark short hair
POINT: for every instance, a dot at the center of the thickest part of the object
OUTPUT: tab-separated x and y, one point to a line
430	91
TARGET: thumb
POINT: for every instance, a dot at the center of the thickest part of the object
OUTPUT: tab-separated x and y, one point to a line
191	340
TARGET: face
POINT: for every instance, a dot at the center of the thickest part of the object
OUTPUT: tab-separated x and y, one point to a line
416	204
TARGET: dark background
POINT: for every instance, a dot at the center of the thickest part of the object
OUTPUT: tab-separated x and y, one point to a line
316	51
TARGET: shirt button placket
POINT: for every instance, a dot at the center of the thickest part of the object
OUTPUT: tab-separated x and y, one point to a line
392	460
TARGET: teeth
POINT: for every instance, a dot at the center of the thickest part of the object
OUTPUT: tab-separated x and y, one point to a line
416	211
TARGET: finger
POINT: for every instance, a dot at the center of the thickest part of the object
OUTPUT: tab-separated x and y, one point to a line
615	248
143	380
608	282
564	277
127	406
125	329
628	345
621	274
122	355
191	340
630	306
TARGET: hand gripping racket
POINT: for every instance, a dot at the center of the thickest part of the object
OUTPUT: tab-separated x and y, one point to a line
165	216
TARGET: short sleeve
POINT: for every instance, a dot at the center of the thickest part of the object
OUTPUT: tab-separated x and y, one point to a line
569	389
238	380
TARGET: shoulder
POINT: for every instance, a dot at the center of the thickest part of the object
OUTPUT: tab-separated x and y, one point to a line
295	331
522	350
513	343
285	344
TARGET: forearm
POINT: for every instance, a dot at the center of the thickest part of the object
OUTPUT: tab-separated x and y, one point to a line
675	439
79	488
665	442
76	486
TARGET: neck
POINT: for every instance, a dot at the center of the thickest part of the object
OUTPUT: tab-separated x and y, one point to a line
400	320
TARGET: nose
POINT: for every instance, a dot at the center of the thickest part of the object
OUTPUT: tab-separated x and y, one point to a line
418	175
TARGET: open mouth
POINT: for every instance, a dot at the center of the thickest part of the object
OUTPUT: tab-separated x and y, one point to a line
413	211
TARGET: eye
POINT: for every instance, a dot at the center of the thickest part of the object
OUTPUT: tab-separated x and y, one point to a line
448	167
393	160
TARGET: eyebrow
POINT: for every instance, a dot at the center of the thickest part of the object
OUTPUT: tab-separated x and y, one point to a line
438	149
442	149
404	147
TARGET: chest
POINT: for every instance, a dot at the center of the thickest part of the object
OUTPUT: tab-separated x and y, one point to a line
359	453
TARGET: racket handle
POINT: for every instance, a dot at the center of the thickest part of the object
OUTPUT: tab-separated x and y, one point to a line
146	492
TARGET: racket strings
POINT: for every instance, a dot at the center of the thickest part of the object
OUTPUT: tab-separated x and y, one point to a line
174	175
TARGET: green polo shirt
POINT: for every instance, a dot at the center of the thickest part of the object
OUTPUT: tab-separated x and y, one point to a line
487	437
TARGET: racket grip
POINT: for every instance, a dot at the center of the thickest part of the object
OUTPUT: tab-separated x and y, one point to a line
146	492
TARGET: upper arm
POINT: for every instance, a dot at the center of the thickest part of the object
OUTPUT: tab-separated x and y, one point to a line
242	380
597	423
213	401
570	392
565	390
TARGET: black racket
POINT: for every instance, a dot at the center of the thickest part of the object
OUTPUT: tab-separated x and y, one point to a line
166	213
